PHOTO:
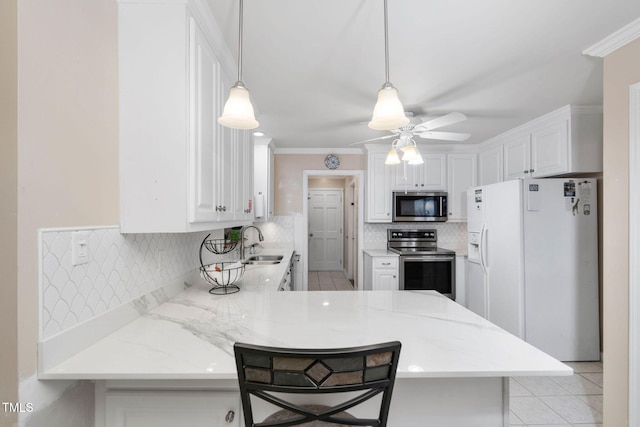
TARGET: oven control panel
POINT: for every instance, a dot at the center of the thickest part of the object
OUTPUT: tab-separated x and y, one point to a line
413	235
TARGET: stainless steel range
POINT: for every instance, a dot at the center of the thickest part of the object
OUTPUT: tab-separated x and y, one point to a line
423	266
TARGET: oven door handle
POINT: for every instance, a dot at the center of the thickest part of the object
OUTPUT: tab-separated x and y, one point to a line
428	258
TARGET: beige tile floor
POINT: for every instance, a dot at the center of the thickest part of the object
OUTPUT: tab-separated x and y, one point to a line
534	401
329	281
558	401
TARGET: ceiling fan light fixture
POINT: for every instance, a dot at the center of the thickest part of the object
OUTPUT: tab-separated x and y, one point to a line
418	160
238	110
409	153
392	158
388	112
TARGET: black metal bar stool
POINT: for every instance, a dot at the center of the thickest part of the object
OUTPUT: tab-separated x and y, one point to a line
268	372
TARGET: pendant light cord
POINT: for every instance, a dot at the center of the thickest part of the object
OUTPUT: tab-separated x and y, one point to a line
240	19
386	44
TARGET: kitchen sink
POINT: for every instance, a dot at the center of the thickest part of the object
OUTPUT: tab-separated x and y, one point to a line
263	259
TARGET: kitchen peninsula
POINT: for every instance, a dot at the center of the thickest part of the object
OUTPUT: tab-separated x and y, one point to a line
454	365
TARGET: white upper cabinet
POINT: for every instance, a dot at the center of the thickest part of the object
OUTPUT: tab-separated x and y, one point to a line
517	157
490	166
378	187
568	140
431	175
264	179
452	172
461	175
178	172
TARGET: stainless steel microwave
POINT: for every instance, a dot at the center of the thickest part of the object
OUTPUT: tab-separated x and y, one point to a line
419	206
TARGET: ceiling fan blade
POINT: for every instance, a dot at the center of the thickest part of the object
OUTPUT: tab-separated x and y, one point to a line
445	136
446	120
373	139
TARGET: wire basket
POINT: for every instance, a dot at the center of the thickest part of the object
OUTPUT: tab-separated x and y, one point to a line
220	246
222	275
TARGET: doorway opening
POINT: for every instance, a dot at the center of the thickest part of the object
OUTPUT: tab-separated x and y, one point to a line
333	225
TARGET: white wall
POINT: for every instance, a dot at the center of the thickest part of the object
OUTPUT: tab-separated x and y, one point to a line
67	164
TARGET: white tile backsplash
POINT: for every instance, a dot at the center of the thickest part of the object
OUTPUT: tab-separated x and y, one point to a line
121	268
278	229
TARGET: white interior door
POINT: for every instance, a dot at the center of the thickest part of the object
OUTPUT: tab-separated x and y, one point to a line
325	229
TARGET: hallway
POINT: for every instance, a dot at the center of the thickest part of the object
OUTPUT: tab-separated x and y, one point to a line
329	281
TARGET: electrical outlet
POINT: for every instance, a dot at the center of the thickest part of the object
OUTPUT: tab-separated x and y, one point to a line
79	247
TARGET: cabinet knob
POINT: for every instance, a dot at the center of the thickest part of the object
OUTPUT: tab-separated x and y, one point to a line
230	416
386	263
421	185
531	170
526	171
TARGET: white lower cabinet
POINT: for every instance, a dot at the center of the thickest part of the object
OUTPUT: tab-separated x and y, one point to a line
171	408
381	273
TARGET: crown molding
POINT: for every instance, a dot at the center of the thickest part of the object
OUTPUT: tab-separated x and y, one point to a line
318	151
615	41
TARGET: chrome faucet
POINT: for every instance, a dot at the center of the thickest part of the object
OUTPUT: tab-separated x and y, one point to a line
242	245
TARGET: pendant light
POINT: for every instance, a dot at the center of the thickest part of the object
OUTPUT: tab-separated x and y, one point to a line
388	113
238	111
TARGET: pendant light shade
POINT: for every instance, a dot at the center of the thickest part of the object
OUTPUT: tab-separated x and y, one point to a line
409	154
238	111
392	158
417	160
388	113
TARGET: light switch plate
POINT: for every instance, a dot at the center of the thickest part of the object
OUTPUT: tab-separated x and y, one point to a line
79	247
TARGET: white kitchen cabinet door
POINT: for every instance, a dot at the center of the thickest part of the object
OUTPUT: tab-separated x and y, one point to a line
428	176
381	273
172	408
550	150
242	174
432	174
517	156
385	274
263	177
226	166
490	166
205	101
461	175
378	188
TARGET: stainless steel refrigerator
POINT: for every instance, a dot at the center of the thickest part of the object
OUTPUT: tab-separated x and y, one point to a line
533	262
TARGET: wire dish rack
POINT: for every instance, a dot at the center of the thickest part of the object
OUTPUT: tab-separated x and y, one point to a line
221	275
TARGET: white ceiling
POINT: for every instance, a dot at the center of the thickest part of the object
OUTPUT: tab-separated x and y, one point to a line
314	66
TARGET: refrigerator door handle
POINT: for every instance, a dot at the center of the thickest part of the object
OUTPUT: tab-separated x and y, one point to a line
483	234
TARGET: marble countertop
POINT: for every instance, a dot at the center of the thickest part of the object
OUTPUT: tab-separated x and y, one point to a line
191	336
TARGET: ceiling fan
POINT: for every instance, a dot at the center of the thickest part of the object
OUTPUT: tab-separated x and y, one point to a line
425	130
